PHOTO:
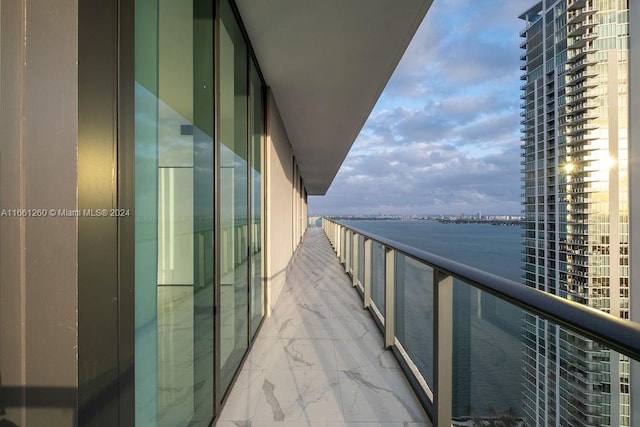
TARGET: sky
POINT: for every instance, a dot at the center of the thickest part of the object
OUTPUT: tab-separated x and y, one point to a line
444	137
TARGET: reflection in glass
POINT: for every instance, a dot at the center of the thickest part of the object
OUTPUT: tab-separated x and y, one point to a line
174	213
377	276
234	230
203	211
414	312
257	132
488	358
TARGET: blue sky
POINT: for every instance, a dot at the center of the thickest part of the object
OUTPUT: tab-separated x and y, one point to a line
444	136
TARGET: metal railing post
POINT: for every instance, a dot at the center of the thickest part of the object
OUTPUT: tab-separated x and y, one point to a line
339	246
400	296
334	237
328	230
347	252
343	231
356	259
367	272
443	348
333	234
389	294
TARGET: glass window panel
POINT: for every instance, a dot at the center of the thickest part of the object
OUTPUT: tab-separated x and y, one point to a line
257	141
234	230
146	212
361	260
488	356
203	190
174	213
514	367
377	276
414	313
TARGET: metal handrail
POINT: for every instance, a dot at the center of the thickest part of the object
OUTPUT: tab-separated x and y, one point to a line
620	335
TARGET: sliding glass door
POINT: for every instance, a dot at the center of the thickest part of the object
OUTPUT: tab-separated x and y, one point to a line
199	135
174	190
256	113
234	208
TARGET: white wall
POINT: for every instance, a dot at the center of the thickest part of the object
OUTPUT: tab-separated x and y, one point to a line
283	204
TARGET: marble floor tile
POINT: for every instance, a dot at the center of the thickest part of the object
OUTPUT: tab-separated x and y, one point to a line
246	395
307	354
269	329
300	395
369	353
379	395
263	352
378	424
313	309
294	327
319	360
355	328
347	307
274	423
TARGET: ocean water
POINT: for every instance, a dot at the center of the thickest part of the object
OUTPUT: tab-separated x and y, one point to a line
492	248
487	332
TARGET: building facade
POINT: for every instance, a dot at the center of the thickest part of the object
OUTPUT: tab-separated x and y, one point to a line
155	161
575	160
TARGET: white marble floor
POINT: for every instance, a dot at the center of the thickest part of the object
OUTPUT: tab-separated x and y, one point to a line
319	359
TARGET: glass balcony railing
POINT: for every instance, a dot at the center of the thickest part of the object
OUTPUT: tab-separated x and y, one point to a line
480	349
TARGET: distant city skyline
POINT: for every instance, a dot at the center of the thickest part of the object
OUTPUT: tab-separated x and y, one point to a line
420	215
445	135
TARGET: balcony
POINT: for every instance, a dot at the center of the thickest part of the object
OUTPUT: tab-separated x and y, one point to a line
575	120
348	348
578	65
581	107
320	358
578	42
581	76
581	28
577	54
576	4
580	14
575	89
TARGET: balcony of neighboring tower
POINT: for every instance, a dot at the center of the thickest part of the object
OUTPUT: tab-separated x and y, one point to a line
576	4
576	14
574	55
579	64
580	106
581	27
577	42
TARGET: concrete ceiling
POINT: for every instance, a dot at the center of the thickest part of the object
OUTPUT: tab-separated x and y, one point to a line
327	62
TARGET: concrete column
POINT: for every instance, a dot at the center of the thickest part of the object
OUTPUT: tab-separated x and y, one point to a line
38	176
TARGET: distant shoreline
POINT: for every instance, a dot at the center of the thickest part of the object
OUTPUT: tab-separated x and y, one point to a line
481	221
490	221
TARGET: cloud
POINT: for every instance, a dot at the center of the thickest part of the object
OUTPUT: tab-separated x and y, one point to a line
480	122
461	42
424	178
444	136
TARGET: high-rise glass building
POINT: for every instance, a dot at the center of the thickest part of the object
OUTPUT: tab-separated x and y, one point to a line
576	193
